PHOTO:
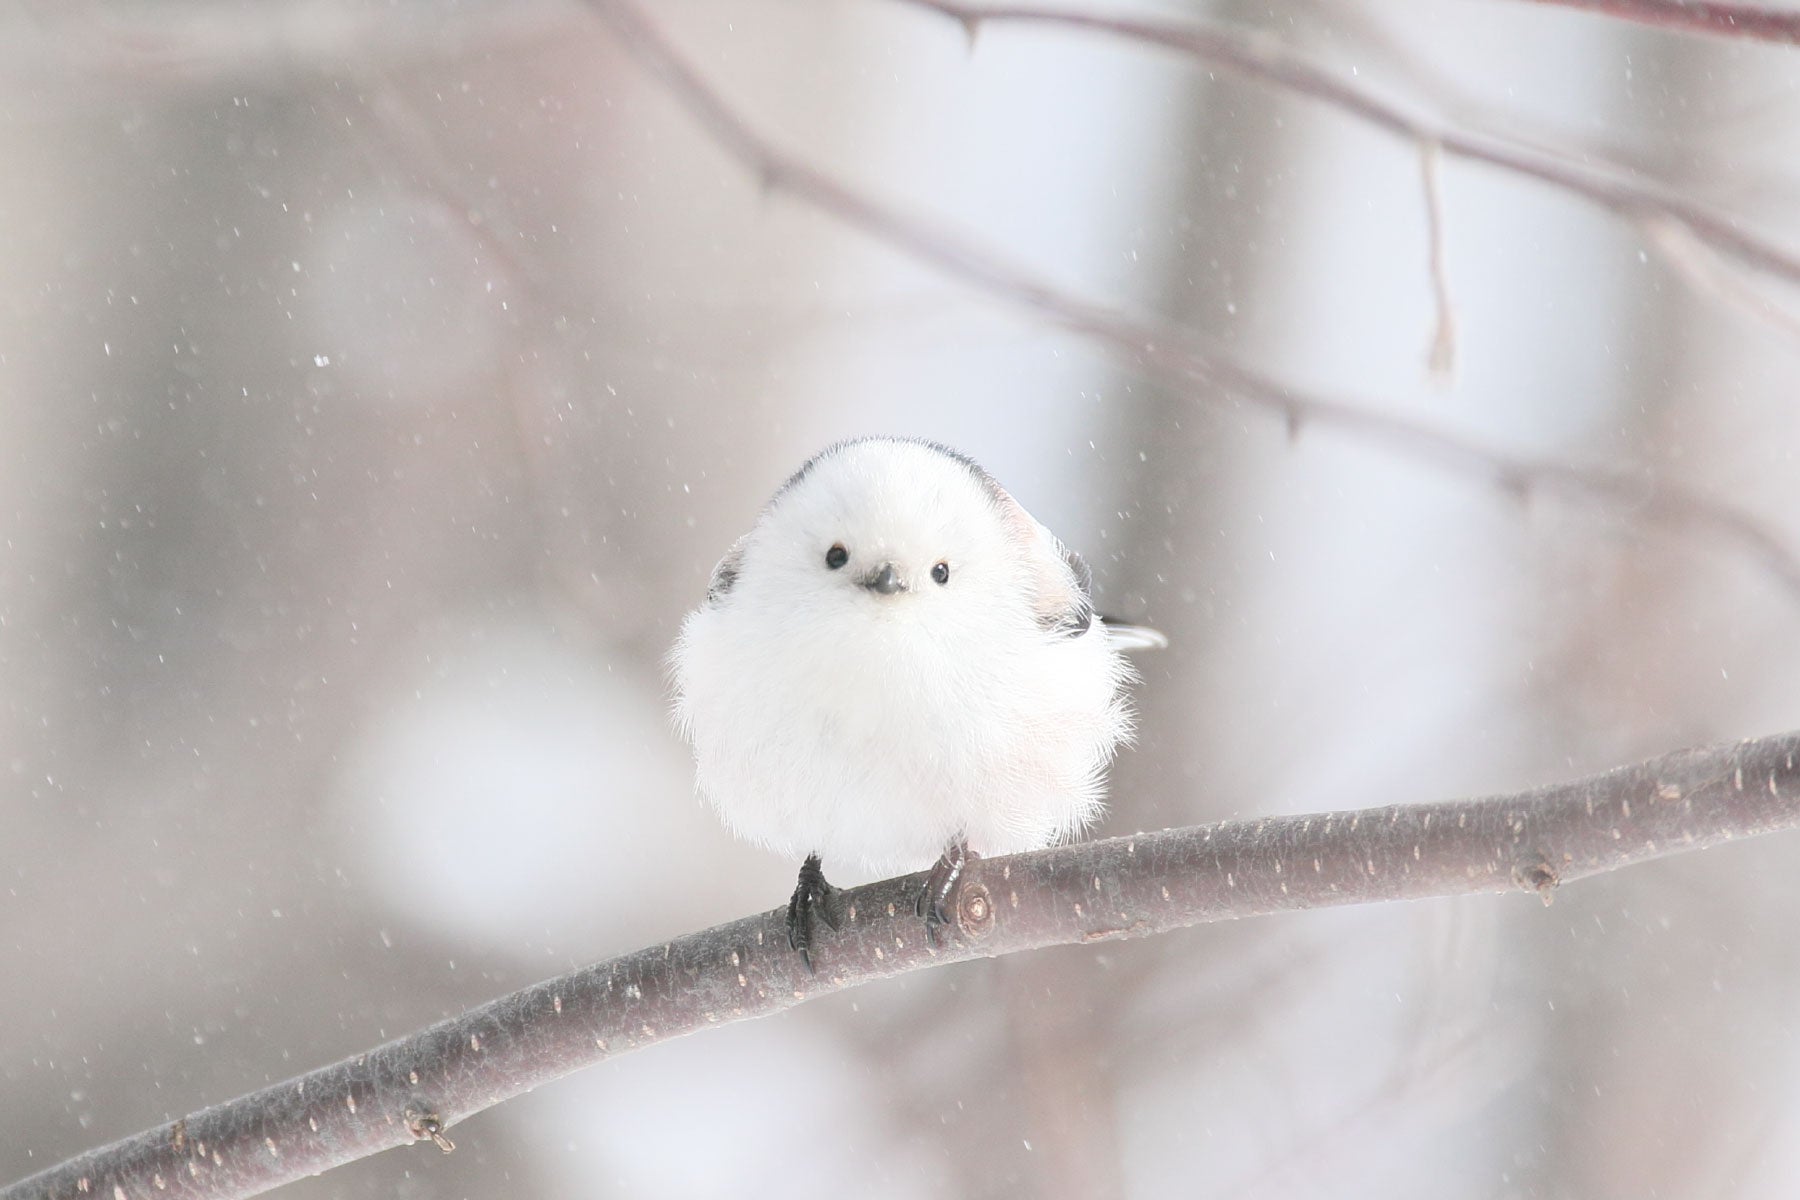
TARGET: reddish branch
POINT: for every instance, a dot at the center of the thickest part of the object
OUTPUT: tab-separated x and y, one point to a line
1700	16
415	1088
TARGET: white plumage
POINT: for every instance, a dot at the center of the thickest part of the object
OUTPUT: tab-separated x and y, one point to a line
843	702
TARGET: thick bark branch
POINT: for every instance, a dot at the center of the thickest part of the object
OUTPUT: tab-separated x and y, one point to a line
414	1088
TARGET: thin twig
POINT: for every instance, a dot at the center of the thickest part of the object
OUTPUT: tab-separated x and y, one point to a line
1710	278
1171	353
1700	16
417	1087
1440	358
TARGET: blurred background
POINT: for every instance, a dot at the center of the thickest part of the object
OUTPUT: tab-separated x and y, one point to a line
379	383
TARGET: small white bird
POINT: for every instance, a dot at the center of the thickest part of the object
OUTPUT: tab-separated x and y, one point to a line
898	663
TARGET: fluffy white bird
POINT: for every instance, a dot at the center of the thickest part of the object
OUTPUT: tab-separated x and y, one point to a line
898	663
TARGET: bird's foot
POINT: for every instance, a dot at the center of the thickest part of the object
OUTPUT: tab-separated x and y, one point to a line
813	897
934	898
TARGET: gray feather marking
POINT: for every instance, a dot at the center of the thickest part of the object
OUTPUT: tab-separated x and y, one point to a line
1078	617
974	468
725	575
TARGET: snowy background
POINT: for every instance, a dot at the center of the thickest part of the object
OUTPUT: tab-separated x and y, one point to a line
380	382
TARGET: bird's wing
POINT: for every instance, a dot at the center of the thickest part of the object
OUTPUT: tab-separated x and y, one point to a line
1060	583
1063	586
725	575
1067	606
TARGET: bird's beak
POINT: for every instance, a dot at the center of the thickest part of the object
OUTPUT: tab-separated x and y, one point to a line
886	581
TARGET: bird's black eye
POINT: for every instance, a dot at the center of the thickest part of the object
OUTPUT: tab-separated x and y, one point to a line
941	573
837	556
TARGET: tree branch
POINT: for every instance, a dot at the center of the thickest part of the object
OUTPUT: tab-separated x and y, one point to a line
1167	351
1699	16
414	1088
1617	189
200	45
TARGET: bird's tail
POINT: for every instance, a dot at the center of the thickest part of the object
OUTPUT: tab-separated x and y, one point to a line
1134	637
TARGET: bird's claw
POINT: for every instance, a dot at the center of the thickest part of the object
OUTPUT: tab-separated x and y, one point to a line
812	897
933	903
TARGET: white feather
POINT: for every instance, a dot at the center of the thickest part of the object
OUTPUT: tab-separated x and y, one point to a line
829	718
